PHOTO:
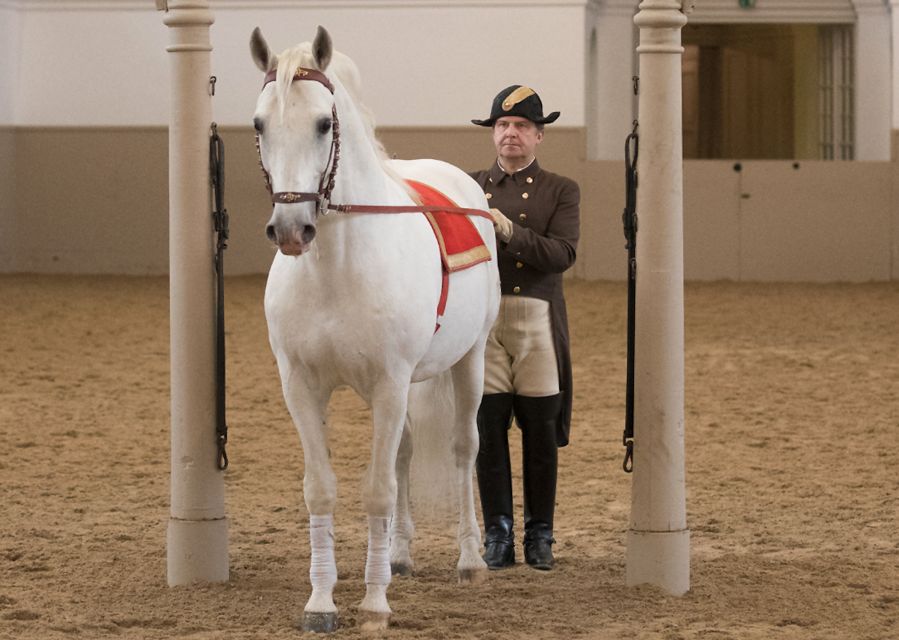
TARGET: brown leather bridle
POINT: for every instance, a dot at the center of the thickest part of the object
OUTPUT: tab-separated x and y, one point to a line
322	197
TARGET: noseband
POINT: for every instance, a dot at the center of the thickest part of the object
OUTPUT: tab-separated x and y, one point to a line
321	197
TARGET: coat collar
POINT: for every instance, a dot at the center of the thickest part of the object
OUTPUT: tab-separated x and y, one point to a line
497	175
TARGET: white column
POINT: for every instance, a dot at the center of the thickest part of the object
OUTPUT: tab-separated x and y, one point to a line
610	103
658	544
894	80
198	529
874	84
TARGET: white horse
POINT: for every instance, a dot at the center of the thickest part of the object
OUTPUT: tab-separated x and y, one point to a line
351	300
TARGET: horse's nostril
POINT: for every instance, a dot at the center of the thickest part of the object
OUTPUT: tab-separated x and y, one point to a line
308	233
270	232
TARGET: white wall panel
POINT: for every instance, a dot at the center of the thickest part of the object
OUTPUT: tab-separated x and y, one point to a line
92	67
429	66
873	81
426	64
610	104
9	54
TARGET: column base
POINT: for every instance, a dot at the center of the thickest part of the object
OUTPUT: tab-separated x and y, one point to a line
660	558
197	551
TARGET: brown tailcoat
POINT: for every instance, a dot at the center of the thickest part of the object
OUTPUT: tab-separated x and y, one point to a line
545	212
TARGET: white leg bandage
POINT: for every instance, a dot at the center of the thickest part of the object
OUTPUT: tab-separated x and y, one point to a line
322	569
377	565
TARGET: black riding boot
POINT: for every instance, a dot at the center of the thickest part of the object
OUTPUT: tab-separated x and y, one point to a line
495	479
537	418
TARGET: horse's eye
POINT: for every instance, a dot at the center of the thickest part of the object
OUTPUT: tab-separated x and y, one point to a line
324	126
258	125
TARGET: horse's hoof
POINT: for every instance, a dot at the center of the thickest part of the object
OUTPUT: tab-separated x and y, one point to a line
400	569
320	622
472	576
373	620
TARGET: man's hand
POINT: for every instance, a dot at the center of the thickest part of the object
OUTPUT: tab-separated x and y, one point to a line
501	225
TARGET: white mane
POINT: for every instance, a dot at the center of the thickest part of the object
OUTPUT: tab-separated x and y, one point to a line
342	71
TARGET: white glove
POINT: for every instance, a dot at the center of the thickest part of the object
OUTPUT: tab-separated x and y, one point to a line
501	225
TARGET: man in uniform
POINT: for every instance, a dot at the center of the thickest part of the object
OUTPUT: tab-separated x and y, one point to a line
528	365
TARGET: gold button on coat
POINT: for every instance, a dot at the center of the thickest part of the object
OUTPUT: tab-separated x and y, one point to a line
519	265
516	289
529	180
489	195
522	216
524	195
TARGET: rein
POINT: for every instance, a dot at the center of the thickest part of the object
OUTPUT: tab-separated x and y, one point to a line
322	197
629	218
220	222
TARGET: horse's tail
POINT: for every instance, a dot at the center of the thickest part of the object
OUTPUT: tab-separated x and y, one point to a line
433	481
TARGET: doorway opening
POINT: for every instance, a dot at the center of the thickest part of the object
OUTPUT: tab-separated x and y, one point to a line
768	91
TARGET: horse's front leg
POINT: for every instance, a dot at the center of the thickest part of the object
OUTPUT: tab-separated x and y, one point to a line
401	528
379	493
308	409
468	386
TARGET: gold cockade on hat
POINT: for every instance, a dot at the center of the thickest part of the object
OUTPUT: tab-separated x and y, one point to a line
516	96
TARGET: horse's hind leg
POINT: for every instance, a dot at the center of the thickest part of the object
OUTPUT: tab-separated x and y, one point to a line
468	385
401	528
320	494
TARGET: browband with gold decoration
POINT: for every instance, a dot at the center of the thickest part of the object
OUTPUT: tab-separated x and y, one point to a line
302	74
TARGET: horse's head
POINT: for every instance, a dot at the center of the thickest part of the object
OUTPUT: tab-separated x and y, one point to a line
295	124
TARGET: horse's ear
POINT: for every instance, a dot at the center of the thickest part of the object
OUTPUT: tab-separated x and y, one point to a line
262	55
322	48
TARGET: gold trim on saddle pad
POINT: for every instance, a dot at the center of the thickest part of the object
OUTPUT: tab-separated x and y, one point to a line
457	261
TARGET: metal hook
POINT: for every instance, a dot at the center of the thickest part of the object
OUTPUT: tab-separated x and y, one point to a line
212	81
628	464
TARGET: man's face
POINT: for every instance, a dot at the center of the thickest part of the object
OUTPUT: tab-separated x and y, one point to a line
516	138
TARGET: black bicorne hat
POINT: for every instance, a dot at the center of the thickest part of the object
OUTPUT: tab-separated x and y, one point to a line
520	101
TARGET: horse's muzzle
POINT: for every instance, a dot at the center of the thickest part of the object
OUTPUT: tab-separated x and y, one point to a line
293	240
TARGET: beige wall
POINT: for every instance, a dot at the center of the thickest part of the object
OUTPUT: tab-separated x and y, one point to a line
8	230
94	200
894	207
811	221
91	200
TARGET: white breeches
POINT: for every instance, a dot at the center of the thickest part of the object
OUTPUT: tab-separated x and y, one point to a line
520	357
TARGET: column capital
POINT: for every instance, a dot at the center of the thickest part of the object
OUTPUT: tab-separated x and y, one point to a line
189	21
183	13
660	22
661	14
